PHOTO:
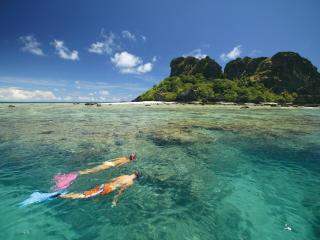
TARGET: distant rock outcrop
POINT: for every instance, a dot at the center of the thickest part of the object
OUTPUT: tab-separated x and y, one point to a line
191	66
284	77
242	67
285	71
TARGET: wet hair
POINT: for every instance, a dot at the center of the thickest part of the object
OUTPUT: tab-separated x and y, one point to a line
133	156
138	174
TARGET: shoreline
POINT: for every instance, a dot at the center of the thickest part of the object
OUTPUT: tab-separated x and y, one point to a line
266	105
222	104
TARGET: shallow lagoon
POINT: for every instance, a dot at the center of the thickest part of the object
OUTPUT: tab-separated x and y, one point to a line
211	172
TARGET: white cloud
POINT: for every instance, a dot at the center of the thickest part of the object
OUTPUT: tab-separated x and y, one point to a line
94	96
144	38
129	63
128	35
68	98
63	52
13	93
125	60
31	45
77	83
107	45
154	59
197	53
147	67
97	48
233	54
86	98
104	99
103	92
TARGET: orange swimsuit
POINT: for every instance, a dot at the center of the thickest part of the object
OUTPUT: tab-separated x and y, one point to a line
103	189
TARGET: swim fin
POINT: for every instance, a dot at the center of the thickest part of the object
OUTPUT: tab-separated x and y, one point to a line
38	197
63	181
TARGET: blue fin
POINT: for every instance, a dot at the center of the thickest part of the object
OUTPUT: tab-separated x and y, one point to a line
38	197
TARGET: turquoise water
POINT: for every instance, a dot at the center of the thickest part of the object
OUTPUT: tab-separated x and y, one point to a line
211	172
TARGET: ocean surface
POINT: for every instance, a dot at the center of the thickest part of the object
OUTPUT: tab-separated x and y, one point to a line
210	172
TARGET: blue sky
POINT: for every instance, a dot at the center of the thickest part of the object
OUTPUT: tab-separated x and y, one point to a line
115	50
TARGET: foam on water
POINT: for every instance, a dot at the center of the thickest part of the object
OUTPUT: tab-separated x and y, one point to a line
210	172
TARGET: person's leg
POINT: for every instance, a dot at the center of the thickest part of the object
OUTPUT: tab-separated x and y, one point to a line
73	195
102	189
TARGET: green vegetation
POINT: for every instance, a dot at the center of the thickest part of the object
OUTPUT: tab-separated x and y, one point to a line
284	78
187	88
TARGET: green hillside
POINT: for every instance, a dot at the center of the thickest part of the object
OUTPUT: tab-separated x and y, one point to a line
285	77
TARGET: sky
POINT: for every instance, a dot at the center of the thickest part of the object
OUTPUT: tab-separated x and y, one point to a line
113	51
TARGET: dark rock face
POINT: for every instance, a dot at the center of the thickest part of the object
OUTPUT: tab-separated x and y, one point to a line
290	72
182	65
285	71
239	68
191	66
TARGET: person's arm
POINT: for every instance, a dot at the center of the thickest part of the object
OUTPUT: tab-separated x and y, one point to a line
103	166
116	198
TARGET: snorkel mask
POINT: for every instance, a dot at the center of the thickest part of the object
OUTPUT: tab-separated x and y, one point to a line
133	156
139	175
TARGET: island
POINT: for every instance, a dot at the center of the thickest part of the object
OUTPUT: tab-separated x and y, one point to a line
284	78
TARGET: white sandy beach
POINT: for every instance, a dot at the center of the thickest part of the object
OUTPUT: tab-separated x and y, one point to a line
140	103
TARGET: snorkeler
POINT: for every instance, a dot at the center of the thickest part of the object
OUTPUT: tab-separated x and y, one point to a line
63	181
121	183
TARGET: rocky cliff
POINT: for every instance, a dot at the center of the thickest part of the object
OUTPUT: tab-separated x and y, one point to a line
191	66
285	71
284	77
